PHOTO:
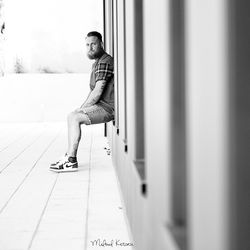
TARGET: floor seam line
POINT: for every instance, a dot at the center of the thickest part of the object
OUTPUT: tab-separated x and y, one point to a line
26	176
13	159
88	194
42	214
24	134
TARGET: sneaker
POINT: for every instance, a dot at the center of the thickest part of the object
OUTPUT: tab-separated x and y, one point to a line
62	159
64	165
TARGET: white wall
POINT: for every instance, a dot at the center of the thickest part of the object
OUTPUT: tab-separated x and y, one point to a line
41	97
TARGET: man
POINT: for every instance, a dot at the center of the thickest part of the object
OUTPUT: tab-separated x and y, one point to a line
99	105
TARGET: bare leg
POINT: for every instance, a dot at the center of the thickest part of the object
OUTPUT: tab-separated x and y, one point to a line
75	119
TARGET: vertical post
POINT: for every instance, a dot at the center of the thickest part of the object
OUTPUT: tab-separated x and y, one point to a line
239	50
207	95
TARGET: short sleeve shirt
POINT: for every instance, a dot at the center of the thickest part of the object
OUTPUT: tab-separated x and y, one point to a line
103	69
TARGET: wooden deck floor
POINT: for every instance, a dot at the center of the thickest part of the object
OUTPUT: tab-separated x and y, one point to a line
43	210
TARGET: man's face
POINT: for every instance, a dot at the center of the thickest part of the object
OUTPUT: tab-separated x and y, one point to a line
94	47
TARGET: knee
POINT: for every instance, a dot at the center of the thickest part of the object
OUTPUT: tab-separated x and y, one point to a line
72	117
78	117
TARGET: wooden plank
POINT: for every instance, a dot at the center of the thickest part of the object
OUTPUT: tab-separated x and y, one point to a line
27	186
106	217
42	210
10	133
62	225
16	173
13	151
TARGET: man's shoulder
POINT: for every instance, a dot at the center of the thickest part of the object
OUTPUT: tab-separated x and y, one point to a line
106	58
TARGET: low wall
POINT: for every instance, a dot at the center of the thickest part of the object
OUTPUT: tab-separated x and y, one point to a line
41	97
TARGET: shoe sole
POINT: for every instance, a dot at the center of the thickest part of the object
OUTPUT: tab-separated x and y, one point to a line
64	170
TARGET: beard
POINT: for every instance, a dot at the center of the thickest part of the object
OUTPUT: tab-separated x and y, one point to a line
95	55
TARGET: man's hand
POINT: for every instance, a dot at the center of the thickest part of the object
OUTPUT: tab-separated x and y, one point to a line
95	94
81	109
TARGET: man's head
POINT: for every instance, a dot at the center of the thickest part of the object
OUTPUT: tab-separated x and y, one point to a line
94	45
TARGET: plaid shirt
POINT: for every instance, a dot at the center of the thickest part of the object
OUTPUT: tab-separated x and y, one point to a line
103	71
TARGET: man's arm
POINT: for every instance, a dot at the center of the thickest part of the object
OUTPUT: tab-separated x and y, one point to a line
86	99
95	94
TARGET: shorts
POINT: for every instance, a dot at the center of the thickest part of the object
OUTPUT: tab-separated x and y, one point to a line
97	114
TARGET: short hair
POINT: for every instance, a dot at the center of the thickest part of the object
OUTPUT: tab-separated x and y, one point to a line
95	33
